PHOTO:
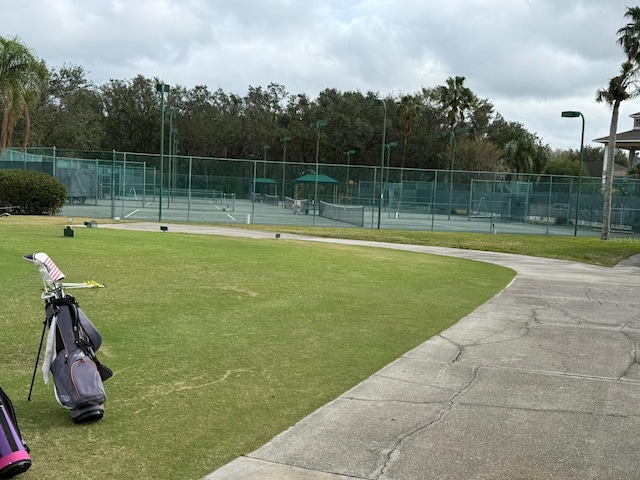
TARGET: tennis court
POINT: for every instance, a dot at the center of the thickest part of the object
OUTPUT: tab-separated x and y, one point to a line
247	212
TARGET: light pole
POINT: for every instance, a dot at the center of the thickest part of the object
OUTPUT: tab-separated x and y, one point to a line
348	153
264	169
174	161
162	88
389	146
453	135
574	114
173	132
378	102
317	125
170	113
284	141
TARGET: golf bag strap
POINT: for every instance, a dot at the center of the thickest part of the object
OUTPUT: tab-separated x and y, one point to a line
71	302
52	306
66	300
80	342
86	346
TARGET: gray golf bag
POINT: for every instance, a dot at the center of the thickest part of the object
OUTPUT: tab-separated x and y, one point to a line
72	342
71	358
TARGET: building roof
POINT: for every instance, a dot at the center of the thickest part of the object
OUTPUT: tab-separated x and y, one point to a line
630	139
624	138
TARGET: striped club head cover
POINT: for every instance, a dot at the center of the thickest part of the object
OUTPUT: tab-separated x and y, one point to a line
49	271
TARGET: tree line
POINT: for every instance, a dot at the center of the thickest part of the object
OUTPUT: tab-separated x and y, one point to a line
60	107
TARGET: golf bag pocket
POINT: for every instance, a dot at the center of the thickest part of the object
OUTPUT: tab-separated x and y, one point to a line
77	381
14	453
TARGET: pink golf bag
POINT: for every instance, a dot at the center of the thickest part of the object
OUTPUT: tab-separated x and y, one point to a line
14	453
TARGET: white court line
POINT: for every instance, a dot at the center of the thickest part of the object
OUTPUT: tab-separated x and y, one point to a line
231	217
137	210
452	227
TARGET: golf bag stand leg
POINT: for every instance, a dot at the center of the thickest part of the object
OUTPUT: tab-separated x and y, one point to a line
35	368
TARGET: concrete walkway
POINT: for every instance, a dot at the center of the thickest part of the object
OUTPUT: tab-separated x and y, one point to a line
541	382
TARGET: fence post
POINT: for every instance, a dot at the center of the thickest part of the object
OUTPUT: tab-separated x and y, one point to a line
113	183
433	199
549	208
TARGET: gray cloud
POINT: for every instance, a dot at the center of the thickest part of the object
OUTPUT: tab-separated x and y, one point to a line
530	58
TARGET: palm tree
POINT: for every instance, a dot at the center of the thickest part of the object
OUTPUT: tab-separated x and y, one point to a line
456	99
410	112
621	87
22	78
629	35
524	154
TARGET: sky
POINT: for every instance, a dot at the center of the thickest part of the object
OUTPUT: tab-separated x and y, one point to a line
531	59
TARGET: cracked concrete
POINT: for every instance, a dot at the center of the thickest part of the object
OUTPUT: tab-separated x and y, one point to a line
540	382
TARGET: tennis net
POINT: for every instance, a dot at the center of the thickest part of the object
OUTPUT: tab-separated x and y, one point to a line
271	199
353	214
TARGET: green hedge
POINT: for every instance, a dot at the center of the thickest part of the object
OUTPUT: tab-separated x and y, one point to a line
34	193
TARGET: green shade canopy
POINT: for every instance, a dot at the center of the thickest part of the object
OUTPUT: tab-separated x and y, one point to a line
266	180
311	178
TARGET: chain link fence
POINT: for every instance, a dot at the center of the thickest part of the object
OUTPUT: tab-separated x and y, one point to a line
221	190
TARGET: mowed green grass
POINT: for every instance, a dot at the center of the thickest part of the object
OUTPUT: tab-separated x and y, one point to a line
217	344
582	249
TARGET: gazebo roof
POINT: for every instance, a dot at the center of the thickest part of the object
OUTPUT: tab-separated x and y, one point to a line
630	137
311	178
629	140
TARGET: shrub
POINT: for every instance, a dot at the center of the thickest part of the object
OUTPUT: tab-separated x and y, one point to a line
34	193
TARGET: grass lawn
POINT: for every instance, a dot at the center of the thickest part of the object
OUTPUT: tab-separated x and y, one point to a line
590	250
217	344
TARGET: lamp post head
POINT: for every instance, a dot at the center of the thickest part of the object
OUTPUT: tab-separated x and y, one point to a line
349	152
459	131
376	102
571	114
321	123
392	144
162	87
267	147
285	139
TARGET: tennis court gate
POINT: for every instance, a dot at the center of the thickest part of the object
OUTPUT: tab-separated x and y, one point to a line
507	201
